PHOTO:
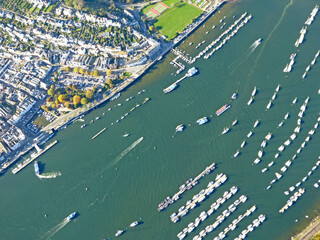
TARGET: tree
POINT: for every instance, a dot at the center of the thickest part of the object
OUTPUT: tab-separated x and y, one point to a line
110	83
151	28
109	72
62	98
76	70
44	107
51	92
86	72
48	99
89	94
96	73
78	4
68	69
81	70
76	99
84	101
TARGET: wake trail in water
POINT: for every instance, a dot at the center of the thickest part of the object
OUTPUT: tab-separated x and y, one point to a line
273	30
49	175
48	235
125	152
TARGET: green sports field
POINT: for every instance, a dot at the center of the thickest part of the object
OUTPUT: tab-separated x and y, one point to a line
175	18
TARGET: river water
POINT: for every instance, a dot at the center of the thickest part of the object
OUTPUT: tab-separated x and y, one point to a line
113	180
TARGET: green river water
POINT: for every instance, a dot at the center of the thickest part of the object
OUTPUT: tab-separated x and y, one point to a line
127	177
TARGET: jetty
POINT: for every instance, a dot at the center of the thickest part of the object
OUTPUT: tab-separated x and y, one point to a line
221	178
98	133
187	186
30	160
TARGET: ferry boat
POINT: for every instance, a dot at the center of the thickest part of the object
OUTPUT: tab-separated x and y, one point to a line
71	216
135	223
202	121
36	168
191	72
119	232
223	109
180	128
170	88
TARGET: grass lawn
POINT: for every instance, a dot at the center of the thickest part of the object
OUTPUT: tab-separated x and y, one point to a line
176	18
41	121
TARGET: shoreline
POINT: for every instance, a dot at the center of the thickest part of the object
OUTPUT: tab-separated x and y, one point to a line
309	231
71	116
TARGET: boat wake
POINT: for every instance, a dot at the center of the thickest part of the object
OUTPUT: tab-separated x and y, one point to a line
49	175
126	151
254	46
48	235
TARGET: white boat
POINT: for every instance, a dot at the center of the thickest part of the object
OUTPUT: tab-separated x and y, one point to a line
287	143
283	169
271	163
260	153
269	105
278	175
180	128
274	96
278	88
243	144
269	136
294	100
256	123
254	92
250	101
286	116
250	134
225	130
264	143
264	170
280	124
281	148
276	155
135	223
235	122
237	153
256	161
308	68
119	232
234	95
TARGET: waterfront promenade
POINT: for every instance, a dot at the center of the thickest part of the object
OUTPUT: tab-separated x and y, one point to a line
65	119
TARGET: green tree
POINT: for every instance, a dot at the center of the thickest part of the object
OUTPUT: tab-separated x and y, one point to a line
51	92
86	72
76	70
84	101
76	99
151	28
62	98
96	73
109	72
81	70
110	83
89	94
68	69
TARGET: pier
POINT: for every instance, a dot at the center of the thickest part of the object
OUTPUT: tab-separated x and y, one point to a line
30	160
98	133
189	184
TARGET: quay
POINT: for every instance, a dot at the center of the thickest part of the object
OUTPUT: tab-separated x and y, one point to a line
189	184
28	161
98	133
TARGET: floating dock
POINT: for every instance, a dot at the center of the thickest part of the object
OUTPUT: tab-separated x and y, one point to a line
189	184
30	160
98	133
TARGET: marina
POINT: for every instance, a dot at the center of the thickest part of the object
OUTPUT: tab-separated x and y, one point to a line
187	186
198	198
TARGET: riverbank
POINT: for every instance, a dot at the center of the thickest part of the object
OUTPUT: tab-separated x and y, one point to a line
67	118
312	229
